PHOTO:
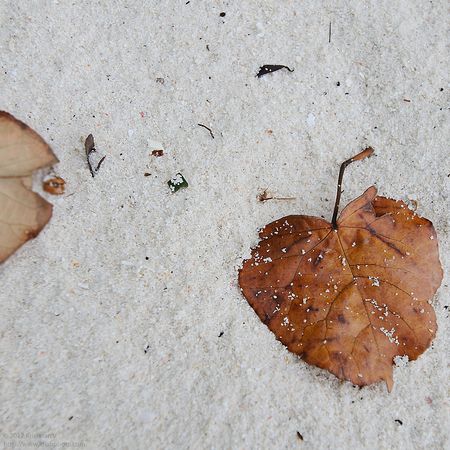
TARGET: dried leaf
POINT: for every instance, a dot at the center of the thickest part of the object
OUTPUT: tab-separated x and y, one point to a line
350	295
23	213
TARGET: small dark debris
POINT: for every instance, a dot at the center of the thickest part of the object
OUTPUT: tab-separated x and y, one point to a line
407	100
441	89
222	14
177	182
71	417
160	80
338	83
207	47
187	3
264	196
221	334
157	153
117	342
146	174
341	318
446	307
147	258
209	129
399	421
299	435
146	349
329	33
89	147
269	68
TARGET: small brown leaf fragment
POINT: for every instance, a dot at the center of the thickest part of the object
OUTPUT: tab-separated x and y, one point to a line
23	213
157	153
299	435
89	147
54	186
351	295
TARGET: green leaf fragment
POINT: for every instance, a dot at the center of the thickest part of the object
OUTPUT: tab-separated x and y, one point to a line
177	182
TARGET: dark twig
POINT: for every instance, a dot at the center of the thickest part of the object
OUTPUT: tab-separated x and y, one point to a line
329	33
209	129
364	154
99	164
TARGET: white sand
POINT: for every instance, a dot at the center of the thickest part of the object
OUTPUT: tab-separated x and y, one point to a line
129	347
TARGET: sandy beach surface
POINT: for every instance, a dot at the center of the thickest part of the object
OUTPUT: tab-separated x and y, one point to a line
122	325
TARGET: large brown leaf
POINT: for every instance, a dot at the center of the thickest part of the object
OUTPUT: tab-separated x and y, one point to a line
350	295
23	213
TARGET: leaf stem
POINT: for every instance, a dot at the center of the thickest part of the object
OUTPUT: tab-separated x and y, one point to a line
361	155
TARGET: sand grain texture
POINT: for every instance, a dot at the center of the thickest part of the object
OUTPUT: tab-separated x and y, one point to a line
111	318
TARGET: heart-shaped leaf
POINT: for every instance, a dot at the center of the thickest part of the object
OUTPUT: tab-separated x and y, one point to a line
350	295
